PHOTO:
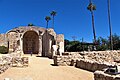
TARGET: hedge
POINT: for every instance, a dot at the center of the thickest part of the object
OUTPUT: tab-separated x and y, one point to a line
3	50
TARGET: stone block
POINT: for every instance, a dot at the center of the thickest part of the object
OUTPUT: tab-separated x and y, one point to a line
100	75
55	60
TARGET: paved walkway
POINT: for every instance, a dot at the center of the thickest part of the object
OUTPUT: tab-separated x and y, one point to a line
41	69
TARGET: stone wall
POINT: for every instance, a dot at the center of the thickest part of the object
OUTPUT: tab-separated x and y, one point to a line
100	75
103	56
3	40
62	60
17	40
12	37
91	61
66	59
60	42
91	65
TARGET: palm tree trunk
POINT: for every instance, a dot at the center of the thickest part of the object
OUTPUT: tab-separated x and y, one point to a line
94	33
53	22
47	25
110	26
46	43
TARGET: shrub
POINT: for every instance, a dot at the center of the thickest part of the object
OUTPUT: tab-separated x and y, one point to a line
3	50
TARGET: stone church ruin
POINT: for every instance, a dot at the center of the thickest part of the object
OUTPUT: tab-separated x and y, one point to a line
32	40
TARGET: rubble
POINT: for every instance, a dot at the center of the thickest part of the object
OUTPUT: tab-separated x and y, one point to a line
66	59
100	75
92	61
13	59
91	65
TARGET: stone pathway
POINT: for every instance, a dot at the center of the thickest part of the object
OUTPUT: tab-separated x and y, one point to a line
41	68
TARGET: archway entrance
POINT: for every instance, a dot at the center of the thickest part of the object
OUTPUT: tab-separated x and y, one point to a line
31	43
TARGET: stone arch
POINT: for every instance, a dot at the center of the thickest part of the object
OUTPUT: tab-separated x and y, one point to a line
31	42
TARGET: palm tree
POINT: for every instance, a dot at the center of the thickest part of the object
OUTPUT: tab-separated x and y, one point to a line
110	26
30	24
53	14
91	7
47	18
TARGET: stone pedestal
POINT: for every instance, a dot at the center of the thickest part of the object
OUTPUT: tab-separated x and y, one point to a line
40	46
21	45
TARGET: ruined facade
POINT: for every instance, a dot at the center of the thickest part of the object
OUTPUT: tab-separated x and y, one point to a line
32	40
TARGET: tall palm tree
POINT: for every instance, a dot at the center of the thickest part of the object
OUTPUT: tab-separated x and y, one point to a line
30	24
53	14
47	18
110	26
91	7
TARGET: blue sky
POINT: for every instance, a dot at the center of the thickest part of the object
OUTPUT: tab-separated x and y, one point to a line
72	19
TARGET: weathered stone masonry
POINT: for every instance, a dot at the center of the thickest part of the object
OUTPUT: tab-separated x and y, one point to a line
32	40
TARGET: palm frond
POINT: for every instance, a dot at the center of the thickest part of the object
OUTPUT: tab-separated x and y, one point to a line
91	7
53	13
47	18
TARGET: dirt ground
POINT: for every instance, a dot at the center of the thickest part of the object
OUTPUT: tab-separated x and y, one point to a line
41	68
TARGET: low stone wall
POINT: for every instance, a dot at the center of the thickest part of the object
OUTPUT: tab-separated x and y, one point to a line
92	61
62	60
67	59
90	65
100	75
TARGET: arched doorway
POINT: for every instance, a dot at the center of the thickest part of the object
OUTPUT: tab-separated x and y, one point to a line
31	43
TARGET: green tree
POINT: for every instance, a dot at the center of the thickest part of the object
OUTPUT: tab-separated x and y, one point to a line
53	14
3	50
72	46
102	44
47	18
116	41
91	7
75	46
66	43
